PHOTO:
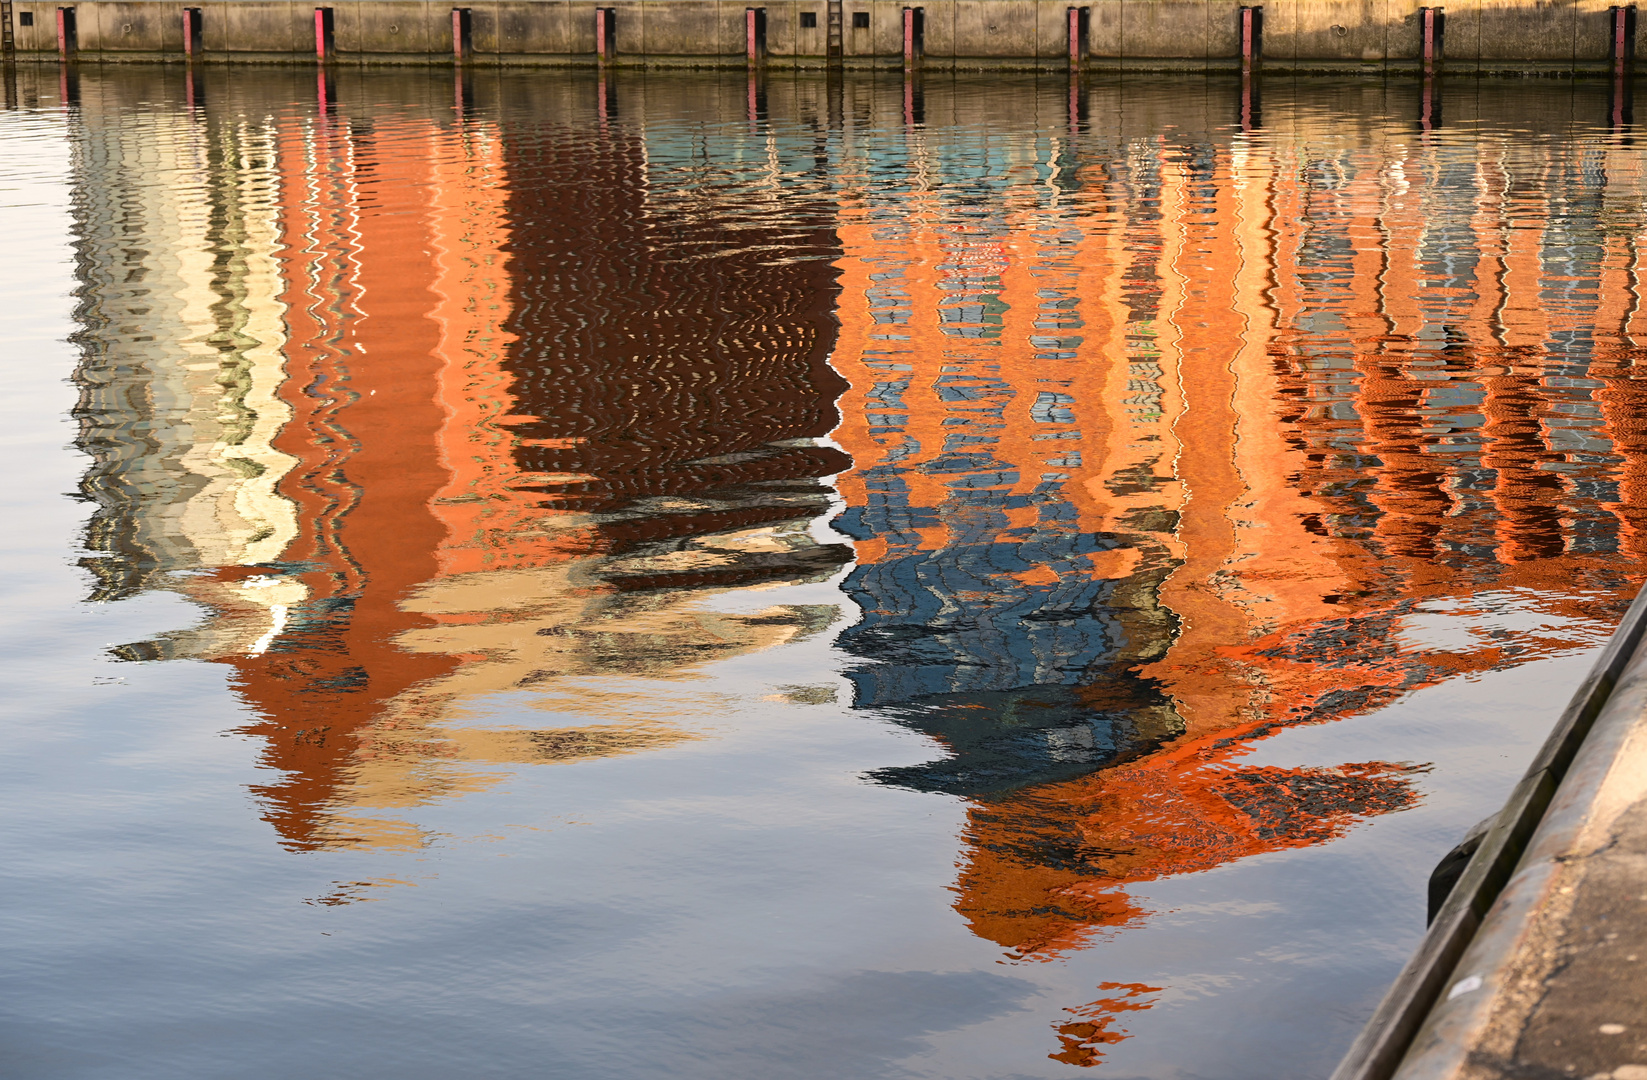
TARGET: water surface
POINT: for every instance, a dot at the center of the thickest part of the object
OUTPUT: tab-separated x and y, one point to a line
688	576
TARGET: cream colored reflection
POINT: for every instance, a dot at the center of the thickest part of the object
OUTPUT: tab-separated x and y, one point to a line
180	230
237	518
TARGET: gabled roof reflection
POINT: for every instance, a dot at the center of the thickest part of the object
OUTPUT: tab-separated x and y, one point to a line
1157	461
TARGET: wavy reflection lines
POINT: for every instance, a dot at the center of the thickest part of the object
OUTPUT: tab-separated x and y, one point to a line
181	335
323	274
478	521
1210	430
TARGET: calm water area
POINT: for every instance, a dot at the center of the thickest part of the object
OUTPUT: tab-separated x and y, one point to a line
680	575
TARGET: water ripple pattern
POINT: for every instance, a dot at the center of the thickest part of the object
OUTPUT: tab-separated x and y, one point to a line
701	576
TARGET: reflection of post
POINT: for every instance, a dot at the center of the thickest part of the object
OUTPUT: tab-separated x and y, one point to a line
1429	104
606	102
752	104
192	96
68	85
463	90
324	92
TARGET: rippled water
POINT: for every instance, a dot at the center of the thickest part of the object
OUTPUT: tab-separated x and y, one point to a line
516	576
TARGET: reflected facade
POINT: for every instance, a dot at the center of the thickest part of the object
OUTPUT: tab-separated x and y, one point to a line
472	488
1152	436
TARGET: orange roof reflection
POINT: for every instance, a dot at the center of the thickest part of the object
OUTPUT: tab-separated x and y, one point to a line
1160	464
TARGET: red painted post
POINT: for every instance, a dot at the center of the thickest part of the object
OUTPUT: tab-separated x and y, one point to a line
457	33
1618	39
320	33
63	43
1246	39
600	33
1429	37
909	36
1074	37
188	32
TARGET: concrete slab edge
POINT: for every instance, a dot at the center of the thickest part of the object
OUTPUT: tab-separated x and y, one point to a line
1457	1025
1505	880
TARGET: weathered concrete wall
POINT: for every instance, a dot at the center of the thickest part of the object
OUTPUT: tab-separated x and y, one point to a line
1535	35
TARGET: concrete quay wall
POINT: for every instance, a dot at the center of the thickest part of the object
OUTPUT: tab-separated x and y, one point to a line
1561	36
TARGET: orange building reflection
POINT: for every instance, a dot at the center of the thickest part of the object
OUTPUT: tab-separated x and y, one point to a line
1176	450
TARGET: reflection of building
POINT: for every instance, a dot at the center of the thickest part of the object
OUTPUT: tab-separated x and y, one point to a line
182	338
1159	446
1158	455
476	504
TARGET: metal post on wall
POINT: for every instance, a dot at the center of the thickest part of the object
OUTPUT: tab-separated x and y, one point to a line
8	54
68	42
323	34
462	35
1624	38
193	25
1252	38
1433	29
606	25
1252	52
1623	51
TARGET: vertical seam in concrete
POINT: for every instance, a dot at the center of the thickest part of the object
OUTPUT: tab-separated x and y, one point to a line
1572	60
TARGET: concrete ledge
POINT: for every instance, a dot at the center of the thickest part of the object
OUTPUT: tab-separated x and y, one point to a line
1555	982
1483	922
